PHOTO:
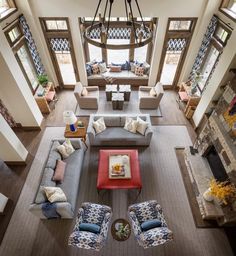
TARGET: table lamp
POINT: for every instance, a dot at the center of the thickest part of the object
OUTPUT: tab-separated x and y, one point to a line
70	119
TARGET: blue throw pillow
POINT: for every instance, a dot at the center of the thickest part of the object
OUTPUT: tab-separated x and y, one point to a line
89	70
149	224
90	227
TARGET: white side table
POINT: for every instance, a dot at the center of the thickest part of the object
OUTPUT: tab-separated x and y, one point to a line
3	202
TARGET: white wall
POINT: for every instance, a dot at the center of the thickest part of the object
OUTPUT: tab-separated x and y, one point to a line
14	89
11	148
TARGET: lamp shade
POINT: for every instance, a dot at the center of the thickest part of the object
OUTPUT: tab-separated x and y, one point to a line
69	117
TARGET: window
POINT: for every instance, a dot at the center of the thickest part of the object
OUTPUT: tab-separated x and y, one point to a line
56	25
95	53
7	7
228	7
27	64
14	34
140	53
180	25
117	56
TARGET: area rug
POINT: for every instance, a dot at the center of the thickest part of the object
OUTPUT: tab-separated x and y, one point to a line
130	107
199	222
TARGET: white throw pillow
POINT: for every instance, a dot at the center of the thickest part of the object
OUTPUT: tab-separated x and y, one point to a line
55	194
153	92
99	125
142	126
84	92
102	67
66	149
131	124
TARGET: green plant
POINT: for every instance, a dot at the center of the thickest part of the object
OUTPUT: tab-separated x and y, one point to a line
43	79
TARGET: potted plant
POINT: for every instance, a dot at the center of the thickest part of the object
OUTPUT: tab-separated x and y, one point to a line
223	192
43	79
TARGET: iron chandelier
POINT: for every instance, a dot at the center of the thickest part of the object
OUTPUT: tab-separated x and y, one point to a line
141	32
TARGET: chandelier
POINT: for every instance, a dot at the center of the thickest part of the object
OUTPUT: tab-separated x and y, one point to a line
139	30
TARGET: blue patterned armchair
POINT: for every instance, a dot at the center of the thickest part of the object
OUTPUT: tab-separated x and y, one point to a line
94	214
146	211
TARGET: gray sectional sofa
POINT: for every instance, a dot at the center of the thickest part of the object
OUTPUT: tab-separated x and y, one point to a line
115	134
70	184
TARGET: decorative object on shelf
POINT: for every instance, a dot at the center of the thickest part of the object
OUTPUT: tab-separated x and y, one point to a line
208	196
43	79
70	119
142	33
224	192
80	124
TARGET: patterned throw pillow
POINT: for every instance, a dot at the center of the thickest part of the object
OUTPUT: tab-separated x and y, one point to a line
142	126
131	124
99	125
66	149
95	69
102	67
153	92
55	194
139	71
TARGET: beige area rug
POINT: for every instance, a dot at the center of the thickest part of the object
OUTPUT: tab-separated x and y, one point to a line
161	180
130	107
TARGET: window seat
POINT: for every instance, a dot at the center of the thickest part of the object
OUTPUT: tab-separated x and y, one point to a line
123	77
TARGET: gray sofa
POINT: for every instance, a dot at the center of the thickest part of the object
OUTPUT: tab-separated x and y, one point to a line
69	185
115	134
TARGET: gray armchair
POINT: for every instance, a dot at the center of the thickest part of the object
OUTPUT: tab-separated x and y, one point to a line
146	101
89	101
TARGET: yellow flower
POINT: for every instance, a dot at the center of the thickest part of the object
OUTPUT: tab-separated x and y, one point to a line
223	191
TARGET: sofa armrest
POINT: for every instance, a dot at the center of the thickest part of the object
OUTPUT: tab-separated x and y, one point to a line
145	88
64	209
90	130
92	88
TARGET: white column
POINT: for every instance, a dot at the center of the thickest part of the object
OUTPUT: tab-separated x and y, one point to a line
225	60
11	150
157	50
14	90
79	51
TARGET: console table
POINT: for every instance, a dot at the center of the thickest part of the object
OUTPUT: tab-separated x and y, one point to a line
42	99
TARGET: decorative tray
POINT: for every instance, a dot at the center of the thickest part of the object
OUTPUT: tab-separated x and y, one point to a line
119	166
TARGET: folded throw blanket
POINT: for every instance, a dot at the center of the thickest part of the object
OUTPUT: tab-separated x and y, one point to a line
50	210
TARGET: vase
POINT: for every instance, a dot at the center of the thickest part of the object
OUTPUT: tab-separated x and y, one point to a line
207	195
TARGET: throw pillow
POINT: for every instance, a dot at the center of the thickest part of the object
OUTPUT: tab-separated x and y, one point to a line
149	224
59	171
89	69
139	71
153	92
55	194
102	67
142	126
132	67
90	227
99	125
115	68
95	69
146	67
84	92
66	149
131	124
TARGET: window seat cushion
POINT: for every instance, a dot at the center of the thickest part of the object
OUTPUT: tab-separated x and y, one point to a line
122	74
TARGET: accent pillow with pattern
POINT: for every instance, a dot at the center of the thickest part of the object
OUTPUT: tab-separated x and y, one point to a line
66	149
131	124
55	194
95	69
99	125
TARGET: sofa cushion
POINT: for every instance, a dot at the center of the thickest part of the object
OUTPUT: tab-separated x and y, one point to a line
66	149
142	126
99	125
131	124
111	121
59	171
55	194
53	156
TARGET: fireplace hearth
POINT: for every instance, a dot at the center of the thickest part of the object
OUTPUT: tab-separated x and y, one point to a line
216	164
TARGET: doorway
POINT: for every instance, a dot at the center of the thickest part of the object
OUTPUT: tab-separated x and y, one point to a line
60	46
178	36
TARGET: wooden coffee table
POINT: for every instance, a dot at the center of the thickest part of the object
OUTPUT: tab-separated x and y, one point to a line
81	133
103	180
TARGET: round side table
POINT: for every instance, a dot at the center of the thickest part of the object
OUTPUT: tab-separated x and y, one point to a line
120	230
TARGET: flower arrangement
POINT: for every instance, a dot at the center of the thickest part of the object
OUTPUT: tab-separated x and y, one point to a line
123	231
223	191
